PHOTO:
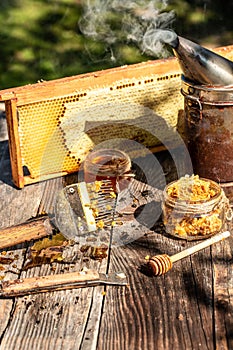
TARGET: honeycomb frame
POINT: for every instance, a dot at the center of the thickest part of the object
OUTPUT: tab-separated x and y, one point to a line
47	121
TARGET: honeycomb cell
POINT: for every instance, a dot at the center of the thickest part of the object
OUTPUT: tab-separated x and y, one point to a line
43	147
46	147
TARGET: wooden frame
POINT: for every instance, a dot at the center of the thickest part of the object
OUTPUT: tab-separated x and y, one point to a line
114	80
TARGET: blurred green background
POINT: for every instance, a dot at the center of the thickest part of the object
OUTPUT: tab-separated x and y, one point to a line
41	39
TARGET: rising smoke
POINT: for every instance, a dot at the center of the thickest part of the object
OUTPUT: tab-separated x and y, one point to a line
145	23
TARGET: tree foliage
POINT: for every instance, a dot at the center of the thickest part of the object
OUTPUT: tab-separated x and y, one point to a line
41	39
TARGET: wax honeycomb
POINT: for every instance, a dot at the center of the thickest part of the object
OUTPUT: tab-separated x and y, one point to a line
57	134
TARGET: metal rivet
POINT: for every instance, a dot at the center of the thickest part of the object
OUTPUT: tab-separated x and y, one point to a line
71	190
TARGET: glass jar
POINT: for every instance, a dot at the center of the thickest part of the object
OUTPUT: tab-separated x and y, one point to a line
194	208
107	164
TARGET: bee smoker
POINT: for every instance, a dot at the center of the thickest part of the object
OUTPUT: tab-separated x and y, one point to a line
200	65
207	87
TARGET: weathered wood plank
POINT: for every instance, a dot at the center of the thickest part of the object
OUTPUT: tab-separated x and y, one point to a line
91	332
54	320
48	198
16	206
187	308
223	294
173	311
8	272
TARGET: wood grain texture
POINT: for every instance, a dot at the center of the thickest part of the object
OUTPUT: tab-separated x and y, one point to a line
223	295
25	232
43	284
14	145
170	311
190	307
54	320
70	85
16	206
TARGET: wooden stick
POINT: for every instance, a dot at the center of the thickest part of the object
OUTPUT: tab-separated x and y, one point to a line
64	281
25	232
42	284
160	264
204	244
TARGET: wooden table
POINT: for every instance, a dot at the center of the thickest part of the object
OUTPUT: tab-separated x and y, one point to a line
190	307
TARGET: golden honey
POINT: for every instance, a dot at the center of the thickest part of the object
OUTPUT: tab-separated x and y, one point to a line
107	164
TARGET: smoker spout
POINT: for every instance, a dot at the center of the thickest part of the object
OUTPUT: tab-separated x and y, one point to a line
174	42
201	65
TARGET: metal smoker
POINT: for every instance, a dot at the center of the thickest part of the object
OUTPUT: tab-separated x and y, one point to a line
200	65
207	87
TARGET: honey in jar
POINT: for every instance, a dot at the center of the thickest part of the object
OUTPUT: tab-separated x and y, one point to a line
107	164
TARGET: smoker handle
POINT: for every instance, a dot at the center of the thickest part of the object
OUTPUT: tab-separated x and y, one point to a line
197	100
194	99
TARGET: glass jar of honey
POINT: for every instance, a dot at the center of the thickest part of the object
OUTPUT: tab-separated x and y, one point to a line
194	208
107	164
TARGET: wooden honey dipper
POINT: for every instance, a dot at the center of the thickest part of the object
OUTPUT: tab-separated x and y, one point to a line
160	264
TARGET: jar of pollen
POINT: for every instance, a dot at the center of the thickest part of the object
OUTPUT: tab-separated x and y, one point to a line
194	208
